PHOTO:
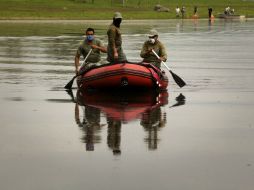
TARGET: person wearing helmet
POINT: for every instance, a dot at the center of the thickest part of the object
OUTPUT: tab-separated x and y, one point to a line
115	51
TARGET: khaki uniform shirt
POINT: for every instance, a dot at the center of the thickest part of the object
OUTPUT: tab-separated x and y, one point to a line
158	47
114	37
95	55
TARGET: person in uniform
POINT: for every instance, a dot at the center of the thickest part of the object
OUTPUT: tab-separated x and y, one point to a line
94	58
153	44
114	50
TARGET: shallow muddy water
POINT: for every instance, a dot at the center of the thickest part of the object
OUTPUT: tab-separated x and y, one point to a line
197	137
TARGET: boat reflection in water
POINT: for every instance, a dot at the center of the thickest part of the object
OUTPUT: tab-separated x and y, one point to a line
119	108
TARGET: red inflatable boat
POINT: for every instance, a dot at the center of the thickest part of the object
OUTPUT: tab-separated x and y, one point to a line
123	75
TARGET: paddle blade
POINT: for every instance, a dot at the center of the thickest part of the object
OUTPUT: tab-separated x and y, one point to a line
178	80
69	84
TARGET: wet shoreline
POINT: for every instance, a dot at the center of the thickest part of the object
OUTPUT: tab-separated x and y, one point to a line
125	21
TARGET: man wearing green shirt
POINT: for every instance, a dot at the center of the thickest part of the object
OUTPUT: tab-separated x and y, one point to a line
89	43
153	44
115	51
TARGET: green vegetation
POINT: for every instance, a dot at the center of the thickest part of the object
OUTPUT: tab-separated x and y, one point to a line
104	9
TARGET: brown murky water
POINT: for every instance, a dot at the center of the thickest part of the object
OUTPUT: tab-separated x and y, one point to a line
199	137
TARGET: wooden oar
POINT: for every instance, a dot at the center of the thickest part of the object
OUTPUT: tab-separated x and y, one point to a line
176	78
70	83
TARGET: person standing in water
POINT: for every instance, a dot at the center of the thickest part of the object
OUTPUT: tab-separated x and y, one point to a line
115	50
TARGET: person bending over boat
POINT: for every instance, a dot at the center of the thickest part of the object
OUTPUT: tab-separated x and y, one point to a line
153	44
115	51
94	58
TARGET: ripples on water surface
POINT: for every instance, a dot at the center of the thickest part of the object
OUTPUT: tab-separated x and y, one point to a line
198	137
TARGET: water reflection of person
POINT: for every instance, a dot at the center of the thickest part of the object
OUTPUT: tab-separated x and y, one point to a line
114	135
152	120
210	24
90	125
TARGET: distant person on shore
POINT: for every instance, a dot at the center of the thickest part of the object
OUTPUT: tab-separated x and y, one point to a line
153	44
178	12
210	13
232	11
115	51
183	11
195	12
229	11
89	43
